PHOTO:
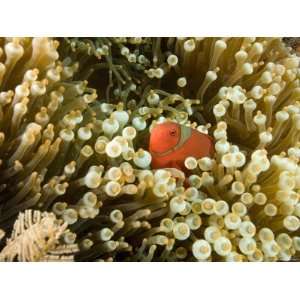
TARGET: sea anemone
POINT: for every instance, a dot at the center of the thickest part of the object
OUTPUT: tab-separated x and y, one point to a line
75	119
35	237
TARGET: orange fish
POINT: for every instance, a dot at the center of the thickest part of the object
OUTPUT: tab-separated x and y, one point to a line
171	143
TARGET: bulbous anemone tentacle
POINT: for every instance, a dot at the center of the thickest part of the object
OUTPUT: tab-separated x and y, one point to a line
75	116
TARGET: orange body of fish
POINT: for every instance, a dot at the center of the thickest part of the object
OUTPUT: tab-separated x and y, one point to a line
171	143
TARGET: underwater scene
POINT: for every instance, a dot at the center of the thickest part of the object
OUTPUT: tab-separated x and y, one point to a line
147	149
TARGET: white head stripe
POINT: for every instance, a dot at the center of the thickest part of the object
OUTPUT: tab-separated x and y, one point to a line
185	134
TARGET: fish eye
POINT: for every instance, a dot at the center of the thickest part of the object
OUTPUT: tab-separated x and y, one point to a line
173	132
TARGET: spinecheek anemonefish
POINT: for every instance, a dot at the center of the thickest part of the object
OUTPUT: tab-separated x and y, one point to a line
171	143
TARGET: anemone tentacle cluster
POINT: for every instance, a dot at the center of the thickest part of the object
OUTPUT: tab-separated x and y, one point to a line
75	172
